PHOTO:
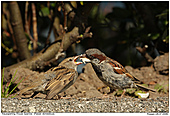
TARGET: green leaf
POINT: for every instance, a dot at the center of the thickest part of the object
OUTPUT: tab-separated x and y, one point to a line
145	85
136	93
53	4
2	81
154	36
158	87
164	14
164	89
130	90
93	12
10	83
14	88
119	92
9	50
44	11
30	45
166	39
166	22
165	36
6	89
81	2
141	94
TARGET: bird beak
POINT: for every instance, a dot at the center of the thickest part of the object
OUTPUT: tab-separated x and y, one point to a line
77	63
84	58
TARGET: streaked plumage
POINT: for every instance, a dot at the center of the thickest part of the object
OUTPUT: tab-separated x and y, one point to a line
57	79
64	79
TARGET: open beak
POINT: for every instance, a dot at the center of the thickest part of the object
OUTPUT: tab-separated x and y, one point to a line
84	58
77	63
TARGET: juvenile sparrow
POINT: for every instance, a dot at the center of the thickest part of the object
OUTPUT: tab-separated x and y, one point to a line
110	71
57	79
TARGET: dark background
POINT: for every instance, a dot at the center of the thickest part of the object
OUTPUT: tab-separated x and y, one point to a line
117	27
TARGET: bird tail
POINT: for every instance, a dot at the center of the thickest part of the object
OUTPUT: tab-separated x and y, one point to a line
141	86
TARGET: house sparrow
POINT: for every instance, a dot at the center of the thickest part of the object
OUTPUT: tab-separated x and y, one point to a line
57	79
110	71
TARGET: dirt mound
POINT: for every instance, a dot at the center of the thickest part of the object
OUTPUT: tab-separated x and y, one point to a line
89	85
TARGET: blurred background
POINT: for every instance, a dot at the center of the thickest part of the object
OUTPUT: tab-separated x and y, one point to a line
118	28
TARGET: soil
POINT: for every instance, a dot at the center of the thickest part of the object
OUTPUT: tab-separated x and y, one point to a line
89	85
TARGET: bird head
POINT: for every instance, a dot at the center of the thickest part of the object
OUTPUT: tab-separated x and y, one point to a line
70	62
93	55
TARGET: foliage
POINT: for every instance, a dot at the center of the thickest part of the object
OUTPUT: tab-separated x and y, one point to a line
5	93
43	24
161	88
118	32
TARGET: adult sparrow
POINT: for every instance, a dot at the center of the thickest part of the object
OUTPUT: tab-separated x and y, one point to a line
57	79
110	71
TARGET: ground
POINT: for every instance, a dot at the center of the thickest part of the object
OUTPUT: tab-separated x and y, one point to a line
89	85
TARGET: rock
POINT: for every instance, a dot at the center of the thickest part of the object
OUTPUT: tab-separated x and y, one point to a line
83	86
105	90
40	95
134	72
21	73
161	64
148	72
93	78
129	69
93	93
71	90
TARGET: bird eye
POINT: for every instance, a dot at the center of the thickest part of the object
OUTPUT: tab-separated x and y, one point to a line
70	59
96	60
92	56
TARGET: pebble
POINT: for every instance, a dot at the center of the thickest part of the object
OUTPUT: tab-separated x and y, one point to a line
86	105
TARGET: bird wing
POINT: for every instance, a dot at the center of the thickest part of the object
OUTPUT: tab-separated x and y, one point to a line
119	69
65	78
147	88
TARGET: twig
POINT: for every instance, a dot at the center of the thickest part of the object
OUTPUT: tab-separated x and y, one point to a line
48	4
49	33
58	55
65	28
51	17
69	10
86	34
41	59
35	34
65	19
10	28
19	34
26	21
144	53
6	48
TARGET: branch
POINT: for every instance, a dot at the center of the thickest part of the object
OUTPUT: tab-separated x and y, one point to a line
10	28
35	34
81	17
19	34
26	21
40	60
145	54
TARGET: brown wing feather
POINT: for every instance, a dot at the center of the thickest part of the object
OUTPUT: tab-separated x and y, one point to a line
114	63
63	80
122	70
